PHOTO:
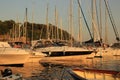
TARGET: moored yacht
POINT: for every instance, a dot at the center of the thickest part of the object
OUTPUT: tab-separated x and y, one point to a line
59	49
12	56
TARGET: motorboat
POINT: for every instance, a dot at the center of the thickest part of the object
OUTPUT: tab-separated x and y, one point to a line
34	55
12	56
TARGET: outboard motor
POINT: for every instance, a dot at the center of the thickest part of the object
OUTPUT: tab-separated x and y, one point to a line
6	72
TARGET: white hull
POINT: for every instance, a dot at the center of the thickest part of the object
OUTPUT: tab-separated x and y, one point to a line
94	74
36	56
64	50
57	49
12	59
12	56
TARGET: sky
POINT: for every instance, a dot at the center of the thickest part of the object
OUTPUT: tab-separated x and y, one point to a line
15	10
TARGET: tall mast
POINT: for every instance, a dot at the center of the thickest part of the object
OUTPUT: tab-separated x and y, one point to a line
106	25
51	32
32	22
61	29
26	26
47	23
19	28
100	24
55	24
80	25
13	32
31	38
71	21
92	5
68	26
94	24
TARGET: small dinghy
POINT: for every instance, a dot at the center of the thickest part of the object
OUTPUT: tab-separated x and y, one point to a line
94	74
8	75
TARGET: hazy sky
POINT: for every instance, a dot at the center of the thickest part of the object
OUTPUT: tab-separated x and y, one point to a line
11	9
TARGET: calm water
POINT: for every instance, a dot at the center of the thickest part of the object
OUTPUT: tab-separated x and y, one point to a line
36	71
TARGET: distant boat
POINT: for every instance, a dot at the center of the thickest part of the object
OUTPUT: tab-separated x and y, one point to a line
12	56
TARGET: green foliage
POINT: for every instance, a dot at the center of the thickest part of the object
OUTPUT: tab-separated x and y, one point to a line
6	26
39	30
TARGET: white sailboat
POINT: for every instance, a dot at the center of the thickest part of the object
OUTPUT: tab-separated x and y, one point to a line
59	48
12	56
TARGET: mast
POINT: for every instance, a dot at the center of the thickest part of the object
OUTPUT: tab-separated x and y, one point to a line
13	32
80	25
71	21
18	29
68	39
93	17
26	26
94	24
100	24
61	37
32	22
56	23
47	23
52	32
106	25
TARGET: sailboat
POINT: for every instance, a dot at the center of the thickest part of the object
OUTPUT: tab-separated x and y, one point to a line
59	49
34	55
56	47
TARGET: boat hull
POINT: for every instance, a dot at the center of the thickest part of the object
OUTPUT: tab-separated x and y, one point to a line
13	56
13	59
64	51
36	56
95	74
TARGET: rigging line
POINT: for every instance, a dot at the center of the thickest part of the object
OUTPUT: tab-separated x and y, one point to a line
85	19
112	21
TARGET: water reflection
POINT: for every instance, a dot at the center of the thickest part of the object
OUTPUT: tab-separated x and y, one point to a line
113	63
52	72
29	69
96	76
38	71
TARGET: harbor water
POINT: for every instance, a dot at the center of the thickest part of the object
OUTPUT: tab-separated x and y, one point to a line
53	71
